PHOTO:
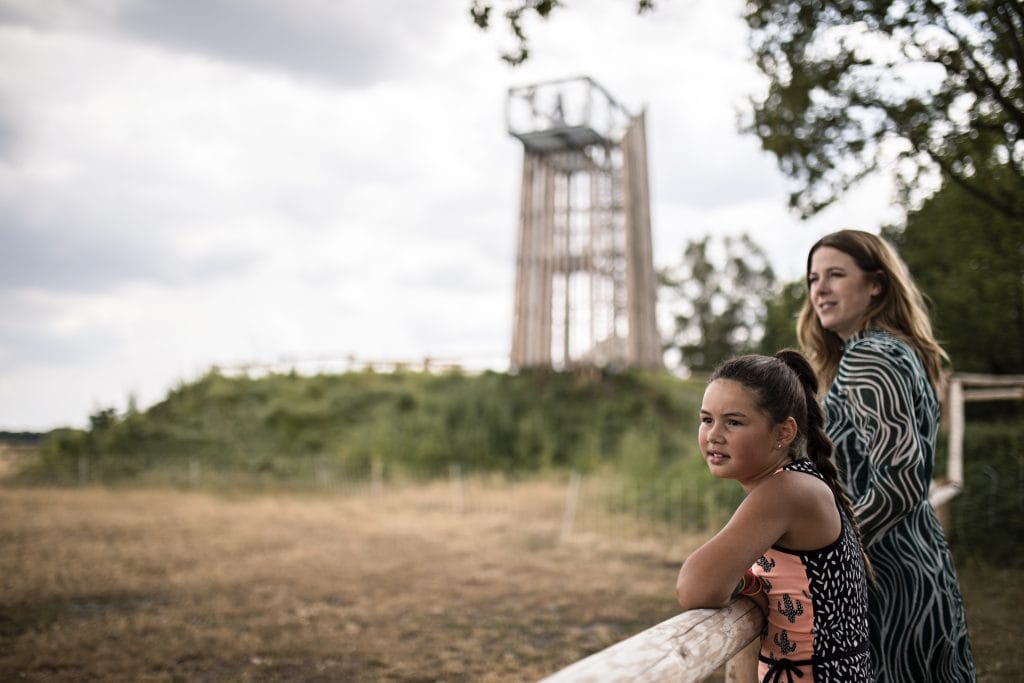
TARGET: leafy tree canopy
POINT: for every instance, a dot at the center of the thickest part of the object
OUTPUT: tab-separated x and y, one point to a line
717	304
781	312
851	83
969	260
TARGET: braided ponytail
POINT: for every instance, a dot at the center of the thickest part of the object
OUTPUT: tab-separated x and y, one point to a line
818	446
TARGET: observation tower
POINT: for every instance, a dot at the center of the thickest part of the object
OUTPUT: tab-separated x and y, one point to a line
585	284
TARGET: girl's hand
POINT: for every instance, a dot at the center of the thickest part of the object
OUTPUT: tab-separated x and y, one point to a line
749	585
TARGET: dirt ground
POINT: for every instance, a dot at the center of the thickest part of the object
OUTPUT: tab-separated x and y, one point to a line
394	586
419	584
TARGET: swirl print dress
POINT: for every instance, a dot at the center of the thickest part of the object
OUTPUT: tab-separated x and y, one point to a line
882	415
817	626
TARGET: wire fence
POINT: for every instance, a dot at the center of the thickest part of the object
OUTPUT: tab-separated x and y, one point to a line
605	504
985	517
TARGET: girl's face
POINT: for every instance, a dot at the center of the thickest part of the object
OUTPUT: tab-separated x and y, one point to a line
840	291
736	438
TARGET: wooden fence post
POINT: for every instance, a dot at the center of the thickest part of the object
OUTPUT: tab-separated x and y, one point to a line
571	499
377	477
742	668
193	473
455	478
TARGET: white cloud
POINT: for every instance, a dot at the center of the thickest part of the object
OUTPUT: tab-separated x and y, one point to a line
173	198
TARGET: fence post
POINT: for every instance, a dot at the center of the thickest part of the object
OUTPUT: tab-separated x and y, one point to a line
955	454
83	470
377	477
455	478
193	473
321	474
571	498
742	668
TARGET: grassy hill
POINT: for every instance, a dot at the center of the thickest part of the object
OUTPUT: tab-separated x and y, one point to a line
418	424
291	431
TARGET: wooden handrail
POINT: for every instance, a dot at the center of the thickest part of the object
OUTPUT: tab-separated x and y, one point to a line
688	647
964	387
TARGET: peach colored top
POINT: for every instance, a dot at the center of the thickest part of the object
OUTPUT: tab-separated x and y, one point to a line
817	626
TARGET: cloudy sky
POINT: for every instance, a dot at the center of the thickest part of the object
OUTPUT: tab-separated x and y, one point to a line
194	182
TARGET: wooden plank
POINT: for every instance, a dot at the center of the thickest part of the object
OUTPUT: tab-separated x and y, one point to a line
974	379
994	394
688	647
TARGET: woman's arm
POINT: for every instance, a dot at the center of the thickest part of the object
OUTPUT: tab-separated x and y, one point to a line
710	574
879	390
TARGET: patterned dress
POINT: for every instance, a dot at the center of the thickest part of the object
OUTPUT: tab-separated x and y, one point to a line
817	627
882	414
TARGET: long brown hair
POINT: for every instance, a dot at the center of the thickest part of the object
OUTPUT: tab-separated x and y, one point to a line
899	309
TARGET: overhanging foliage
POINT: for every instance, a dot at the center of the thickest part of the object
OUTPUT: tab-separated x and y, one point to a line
854	83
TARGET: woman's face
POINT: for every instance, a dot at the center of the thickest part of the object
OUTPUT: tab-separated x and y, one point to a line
840	291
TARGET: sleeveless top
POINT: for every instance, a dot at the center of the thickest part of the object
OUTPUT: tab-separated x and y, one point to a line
817	626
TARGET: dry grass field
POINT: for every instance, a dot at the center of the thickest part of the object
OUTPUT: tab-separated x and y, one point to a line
398	586
413	584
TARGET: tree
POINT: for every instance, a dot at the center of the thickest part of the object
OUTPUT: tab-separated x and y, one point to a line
969	260
781	312
717	310
515	13
851	82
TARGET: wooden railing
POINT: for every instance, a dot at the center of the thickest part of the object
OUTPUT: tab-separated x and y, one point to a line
688	647
964	387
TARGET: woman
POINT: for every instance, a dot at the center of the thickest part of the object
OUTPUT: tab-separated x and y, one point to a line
792	539
865	330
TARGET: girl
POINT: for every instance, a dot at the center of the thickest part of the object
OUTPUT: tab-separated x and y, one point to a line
792	544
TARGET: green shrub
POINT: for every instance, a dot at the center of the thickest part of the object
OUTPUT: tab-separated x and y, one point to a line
987	518
409	424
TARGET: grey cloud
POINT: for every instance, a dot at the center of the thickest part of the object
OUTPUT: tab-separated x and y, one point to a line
70	257
349	42
22	345
53	13
352	43
9	134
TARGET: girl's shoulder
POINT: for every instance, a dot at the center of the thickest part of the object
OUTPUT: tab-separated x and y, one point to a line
814	518
791	481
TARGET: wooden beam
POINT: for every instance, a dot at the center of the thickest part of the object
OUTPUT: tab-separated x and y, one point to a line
688	647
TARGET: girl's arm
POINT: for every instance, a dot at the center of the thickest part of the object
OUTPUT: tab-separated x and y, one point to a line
710	574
